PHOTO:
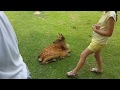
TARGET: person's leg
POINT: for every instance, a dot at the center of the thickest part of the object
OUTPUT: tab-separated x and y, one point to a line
81	62
28	73
98	58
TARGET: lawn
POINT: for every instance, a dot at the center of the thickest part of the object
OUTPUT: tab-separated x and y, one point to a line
36	32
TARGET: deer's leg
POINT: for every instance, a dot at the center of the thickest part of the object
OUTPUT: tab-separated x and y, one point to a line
49	59
68	54
40	59
65	54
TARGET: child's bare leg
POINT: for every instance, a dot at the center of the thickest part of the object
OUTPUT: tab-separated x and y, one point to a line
81	62
98	60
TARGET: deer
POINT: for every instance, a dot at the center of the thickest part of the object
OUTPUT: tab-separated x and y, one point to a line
58	50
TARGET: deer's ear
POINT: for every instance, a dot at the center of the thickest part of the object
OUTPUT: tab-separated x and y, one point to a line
59	34
63	37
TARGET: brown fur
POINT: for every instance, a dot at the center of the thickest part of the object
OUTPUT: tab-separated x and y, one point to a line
59	49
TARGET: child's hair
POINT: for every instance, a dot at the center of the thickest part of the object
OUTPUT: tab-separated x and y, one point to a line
116	16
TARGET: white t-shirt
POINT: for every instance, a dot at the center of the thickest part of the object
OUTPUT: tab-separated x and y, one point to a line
11	62
103	24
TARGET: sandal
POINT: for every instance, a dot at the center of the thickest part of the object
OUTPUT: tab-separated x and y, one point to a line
71	74
95	70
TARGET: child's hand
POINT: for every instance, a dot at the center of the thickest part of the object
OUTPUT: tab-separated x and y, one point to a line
95	27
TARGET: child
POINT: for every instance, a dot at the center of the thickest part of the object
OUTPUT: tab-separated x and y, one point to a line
37	13
102	31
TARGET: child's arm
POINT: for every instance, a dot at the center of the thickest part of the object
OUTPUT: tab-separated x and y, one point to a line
107	31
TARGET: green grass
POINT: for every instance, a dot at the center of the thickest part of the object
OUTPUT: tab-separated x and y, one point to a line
34	33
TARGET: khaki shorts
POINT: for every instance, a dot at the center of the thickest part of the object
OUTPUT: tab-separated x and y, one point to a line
94	46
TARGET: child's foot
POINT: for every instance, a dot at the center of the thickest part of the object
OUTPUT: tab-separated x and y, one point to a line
71	74
95	70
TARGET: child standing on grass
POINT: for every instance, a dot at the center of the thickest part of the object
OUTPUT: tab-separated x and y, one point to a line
11	61
102	31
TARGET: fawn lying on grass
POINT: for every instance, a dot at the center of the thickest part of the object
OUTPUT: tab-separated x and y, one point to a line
58	50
